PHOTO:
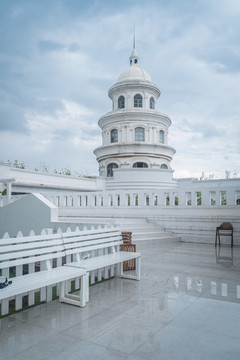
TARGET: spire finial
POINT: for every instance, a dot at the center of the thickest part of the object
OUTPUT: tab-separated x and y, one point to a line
134	39
134	56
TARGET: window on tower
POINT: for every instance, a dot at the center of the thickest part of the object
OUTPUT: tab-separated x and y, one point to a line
138	100
139	134
114	136
140	165
121	102
152	103
163	166
161	136
110	168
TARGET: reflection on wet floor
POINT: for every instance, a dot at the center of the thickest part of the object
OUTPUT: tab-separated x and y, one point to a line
218	289
224	256
186	306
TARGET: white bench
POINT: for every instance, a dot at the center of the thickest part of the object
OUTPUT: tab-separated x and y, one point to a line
21	255
98	252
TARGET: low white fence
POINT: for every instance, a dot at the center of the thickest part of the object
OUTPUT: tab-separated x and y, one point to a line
192	194
60	229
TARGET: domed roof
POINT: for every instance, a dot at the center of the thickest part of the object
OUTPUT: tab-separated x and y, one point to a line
134	72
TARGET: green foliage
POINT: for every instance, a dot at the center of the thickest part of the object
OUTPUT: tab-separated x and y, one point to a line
199	198
66	172
227	174
4	192
17	164
167	200
223	198
44	168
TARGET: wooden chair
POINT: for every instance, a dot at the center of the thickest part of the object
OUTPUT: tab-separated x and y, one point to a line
225	229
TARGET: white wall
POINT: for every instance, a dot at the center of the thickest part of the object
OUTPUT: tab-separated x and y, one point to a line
31	212
36	181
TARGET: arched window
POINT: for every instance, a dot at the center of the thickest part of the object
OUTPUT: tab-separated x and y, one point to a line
138	100
152	103
110	168
161	136
114	135
139	134
140	165
163	166
121	102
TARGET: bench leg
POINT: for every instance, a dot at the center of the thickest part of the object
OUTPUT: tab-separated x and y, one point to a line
99	274
49	293
84	292
112	271
5	307
62	290
138	271
68	286
106	273
43	294
86	281
18	302
138	268
92	277
57	289
77	283
79	300
119	270
31	298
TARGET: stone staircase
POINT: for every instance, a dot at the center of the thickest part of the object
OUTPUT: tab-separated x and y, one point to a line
141	228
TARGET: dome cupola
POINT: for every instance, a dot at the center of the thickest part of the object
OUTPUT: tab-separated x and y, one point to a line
134	58
134	72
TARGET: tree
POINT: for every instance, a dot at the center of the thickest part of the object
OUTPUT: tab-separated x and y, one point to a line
227	174
17	164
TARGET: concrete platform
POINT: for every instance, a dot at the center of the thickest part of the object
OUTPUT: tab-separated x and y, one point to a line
187	306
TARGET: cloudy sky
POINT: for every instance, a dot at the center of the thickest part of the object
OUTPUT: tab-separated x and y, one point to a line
58	58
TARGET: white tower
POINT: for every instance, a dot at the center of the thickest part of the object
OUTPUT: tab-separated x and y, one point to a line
134	133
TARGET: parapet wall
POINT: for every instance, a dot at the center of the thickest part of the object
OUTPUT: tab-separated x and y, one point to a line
192	210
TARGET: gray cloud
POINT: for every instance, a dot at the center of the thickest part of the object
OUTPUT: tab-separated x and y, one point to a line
46	46
59	52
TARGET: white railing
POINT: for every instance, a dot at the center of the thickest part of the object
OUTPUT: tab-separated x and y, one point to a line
186	197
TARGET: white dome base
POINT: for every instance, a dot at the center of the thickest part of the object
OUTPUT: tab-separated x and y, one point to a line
140	178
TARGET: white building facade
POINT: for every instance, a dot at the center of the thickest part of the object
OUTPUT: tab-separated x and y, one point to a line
134	133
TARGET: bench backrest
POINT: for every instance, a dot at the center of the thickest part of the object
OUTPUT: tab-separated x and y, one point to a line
21	254
89	243
29	250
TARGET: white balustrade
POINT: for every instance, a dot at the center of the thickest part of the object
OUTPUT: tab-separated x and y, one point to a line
182	198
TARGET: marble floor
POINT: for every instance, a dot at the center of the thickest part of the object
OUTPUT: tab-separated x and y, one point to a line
186	306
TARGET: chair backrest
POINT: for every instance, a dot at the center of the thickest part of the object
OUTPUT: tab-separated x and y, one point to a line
226	226
91	242
28	250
